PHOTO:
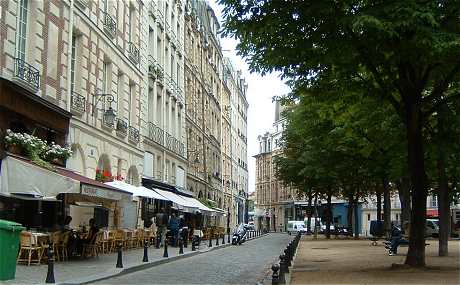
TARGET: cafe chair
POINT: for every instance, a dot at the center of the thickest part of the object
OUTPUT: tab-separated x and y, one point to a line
92	248
29	251
62	246
56	240
118	239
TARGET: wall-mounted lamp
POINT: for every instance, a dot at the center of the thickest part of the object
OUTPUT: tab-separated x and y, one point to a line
109	114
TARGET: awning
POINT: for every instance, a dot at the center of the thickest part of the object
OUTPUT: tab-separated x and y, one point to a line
197	204
432	213
135	190
20	176
183	204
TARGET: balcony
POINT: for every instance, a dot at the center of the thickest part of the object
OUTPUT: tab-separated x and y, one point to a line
110	26
122	128
155	70
133	53
77	104
82	3
26	75
133	135
160	18
155	133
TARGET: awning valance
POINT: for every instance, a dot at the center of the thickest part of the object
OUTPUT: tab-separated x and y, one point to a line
135	190
181	203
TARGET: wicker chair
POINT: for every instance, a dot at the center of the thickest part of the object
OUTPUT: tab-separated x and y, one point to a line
92	248
28	249
56	239
62	245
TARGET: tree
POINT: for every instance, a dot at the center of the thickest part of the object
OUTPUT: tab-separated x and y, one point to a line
406	51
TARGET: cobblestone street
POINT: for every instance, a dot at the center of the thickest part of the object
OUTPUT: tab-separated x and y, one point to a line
245	264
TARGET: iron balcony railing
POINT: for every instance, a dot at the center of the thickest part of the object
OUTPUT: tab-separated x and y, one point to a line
133	53
153	9
133	135
77	103
110	26
26	73
160	18
122	128
155	133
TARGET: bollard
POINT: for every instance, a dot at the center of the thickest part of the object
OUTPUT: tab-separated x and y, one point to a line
193	245
165	252
275	274
50	273
186	239
181	246
288	258
157	241
210	241
119	256
146	257
228	235
283	268
223	239
217	240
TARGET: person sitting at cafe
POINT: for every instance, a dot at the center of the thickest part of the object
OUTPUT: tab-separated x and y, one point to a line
90	237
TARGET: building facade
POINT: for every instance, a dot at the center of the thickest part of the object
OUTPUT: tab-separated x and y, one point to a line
136	88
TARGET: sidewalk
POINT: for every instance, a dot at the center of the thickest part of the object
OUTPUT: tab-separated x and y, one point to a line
92	269
357	262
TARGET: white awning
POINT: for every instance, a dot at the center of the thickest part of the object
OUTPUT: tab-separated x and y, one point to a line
197	204
181	203
18	176
135	190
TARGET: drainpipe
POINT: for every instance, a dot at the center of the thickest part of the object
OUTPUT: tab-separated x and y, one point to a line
69	55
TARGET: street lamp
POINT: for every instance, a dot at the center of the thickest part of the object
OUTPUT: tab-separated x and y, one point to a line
109	114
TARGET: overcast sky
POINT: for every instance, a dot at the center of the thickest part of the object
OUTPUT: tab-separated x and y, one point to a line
261	113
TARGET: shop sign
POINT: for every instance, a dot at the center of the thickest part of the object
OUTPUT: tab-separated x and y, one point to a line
99	192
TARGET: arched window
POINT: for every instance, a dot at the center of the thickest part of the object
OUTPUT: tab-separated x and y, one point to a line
133	176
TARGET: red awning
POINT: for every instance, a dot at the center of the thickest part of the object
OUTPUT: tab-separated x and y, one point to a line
86	180
432	213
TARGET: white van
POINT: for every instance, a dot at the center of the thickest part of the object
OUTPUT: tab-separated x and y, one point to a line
296	226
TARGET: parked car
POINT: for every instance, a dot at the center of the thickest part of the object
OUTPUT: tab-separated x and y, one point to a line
296	226
432	228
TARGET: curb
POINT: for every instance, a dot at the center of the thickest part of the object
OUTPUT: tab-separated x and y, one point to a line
131	269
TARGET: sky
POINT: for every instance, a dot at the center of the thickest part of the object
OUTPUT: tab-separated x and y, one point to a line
261	89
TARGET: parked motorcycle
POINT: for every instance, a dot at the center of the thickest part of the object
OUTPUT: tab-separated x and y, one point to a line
240	234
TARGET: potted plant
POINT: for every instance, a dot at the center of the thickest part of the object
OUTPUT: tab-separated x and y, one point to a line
13	142
103	175
57	154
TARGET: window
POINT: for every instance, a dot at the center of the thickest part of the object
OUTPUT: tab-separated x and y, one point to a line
72	64
105	5
120	94
105	69
148	164
131	24
132	102
22	29
434	201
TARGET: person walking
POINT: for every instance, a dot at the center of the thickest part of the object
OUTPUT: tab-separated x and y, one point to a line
161	221
174	228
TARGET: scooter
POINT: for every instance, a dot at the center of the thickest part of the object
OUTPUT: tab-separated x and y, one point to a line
240	234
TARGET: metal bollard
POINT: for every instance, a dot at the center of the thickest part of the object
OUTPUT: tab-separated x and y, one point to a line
193	245
223	239
165	253
288	258
50	273
146	256
283	270
181	246
210	241
119	256
228	235
157	241
186	239
275	274
217	240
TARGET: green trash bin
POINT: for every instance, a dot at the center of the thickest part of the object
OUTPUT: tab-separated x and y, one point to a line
9	245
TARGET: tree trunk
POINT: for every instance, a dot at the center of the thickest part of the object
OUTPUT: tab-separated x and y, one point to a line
404	198
356	226
329	213
310	200
386	208
379	206
416	253
443	190
350	215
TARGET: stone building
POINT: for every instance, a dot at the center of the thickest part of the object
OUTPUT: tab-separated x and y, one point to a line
274	200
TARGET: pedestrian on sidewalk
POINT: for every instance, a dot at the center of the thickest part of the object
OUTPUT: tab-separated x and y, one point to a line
161	221
174	228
